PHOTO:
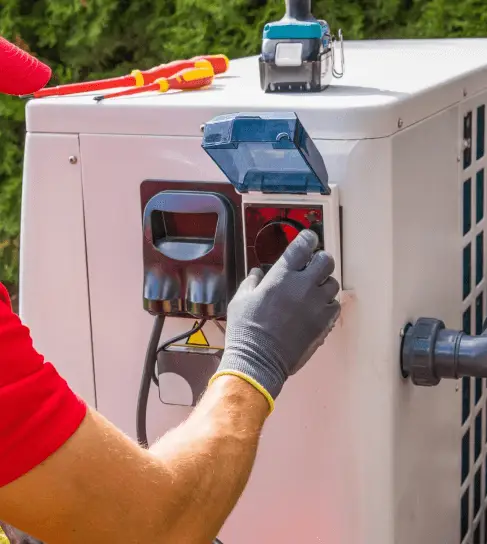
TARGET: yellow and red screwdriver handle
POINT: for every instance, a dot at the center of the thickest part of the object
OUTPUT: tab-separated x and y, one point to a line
138	78
219	63
189	78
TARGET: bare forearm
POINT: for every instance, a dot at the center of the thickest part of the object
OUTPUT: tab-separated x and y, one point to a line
101	486
210	457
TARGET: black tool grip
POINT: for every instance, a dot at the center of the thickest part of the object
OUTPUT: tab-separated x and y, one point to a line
299	10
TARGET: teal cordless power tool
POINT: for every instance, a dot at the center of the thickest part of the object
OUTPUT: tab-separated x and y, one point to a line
298	52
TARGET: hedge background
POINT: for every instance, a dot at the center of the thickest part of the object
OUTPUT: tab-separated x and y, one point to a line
83	39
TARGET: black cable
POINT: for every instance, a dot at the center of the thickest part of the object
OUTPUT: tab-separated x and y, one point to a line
150	360
167	343
149	372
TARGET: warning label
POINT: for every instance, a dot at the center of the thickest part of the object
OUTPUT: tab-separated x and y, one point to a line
198	339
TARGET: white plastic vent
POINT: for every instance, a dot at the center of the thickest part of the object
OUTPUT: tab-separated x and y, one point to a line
473	497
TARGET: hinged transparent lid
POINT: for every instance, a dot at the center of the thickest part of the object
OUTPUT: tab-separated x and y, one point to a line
266	152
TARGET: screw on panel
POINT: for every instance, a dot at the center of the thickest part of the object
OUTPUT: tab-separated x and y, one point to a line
400	123
465	93
73	159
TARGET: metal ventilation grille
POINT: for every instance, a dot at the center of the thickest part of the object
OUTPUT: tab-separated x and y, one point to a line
473	499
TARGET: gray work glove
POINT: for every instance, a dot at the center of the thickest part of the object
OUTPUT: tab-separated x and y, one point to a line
276	322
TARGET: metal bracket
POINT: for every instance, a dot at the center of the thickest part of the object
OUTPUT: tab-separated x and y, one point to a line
336	73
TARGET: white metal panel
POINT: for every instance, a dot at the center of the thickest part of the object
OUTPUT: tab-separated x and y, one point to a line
363	391
319	460
384	81
54	301
426	280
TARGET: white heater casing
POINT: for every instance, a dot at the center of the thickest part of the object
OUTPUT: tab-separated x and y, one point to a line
353	454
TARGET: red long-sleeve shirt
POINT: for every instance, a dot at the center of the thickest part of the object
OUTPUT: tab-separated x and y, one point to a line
38	410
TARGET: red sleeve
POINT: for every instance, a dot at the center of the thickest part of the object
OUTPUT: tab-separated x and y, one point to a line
38	411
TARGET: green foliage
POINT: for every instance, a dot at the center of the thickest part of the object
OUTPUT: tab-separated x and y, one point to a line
83	39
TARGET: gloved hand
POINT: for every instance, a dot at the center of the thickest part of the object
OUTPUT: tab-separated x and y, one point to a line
276	322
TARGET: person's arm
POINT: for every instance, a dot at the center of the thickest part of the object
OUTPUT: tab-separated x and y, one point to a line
102	487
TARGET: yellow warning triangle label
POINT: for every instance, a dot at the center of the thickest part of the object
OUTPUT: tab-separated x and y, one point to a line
198	338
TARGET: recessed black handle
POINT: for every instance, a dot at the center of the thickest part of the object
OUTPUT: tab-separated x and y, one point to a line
187	202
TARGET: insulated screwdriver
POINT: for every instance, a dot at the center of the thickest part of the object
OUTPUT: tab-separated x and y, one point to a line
189	78
138	78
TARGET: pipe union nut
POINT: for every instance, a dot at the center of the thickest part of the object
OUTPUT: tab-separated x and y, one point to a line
418	352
